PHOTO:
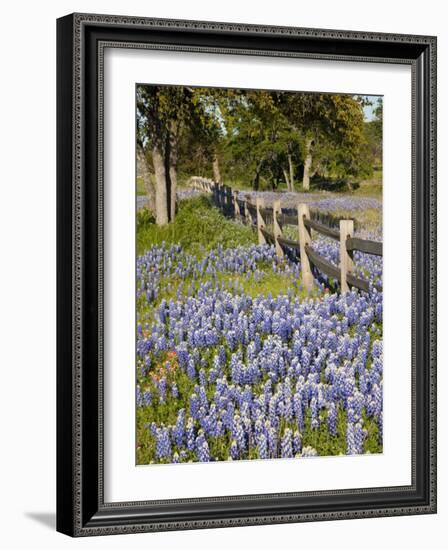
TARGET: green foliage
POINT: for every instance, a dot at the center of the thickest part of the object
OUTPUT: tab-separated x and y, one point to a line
145	218
198	227
260	137
189	113
374	135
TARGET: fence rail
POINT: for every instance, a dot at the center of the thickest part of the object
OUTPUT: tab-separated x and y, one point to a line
331	270
323	229
287	219
268	236
259	216
363	245
288	243
252	209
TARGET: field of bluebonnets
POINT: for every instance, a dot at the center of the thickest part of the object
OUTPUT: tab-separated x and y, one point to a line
235	360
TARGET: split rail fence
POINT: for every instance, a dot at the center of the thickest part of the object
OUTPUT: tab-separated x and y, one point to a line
256	214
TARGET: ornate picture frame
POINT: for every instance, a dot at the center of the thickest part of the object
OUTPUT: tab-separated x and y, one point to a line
81	42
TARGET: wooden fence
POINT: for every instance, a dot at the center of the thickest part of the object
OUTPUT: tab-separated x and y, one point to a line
259	216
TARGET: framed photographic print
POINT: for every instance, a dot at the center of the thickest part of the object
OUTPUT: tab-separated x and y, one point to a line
246	274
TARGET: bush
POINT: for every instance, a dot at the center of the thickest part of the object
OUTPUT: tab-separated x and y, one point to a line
334	185
198	227
144	218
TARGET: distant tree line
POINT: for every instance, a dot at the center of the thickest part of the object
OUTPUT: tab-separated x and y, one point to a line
262	139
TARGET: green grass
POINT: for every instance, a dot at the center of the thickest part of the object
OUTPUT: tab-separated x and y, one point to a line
198	227
271	283
266	186
372	187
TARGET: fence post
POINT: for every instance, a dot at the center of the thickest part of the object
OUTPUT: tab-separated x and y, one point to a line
277	209
220	195
236	206
229	204
223	197
260	221
303	213
346	228
247	216
217	194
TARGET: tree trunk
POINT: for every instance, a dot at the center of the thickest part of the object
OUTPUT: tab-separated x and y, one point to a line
144	172
285	174
291	173
173	201
216	172
172	172
161	202
307	165
256	179
272	178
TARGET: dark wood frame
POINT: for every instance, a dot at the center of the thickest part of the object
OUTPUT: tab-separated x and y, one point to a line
81	510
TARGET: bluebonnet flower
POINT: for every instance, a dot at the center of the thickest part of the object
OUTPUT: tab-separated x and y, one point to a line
228	416
179	428
163	443
202	377
256	366
203	397
190	434
315	422
359	434
272	441
332	418
298	410
162	389
286	444
238	433
297	442
350	439
234	450
202	450
191	369
262	446
143	399
194	406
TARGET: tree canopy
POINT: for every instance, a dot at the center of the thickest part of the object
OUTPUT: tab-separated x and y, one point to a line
256	138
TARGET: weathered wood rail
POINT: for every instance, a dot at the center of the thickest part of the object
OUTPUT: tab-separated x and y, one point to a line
259	216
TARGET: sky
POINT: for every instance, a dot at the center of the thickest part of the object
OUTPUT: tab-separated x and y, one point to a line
369	109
